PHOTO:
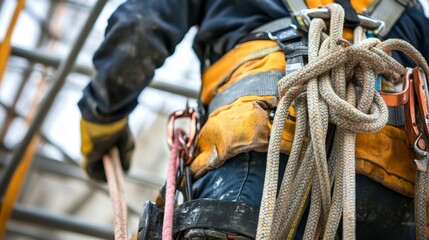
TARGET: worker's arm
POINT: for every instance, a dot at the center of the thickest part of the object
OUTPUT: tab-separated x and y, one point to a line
140	35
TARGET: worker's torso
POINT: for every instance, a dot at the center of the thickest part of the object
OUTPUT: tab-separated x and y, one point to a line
226	22
244	124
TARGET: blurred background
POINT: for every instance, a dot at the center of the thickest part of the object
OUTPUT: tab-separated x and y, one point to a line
55	189
57	200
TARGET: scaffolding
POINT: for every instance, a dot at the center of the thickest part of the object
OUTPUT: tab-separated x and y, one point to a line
53	72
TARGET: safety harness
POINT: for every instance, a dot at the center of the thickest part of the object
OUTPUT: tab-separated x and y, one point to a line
327	89
310	169
379	11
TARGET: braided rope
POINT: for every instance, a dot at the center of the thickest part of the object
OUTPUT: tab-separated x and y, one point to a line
421	204
173	166
336	86
115	179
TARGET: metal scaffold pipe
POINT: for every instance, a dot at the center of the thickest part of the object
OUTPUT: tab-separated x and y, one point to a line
49	60
58	81
42	218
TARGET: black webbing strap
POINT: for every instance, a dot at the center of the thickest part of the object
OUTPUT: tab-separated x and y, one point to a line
231	218
225	216
389	11
294	6
350	15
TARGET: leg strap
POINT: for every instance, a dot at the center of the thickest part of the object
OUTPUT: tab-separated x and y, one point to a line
201	216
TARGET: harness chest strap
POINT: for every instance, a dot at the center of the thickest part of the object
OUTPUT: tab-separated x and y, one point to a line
387	11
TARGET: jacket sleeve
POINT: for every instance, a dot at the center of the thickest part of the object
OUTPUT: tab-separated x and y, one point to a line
413	27
140	35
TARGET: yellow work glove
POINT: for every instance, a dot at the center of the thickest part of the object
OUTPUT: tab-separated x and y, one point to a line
98	139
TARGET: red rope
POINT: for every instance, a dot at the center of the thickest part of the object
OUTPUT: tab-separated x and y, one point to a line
167	230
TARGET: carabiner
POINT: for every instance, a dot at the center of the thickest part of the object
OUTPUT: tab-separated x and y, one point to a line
423	154
188	141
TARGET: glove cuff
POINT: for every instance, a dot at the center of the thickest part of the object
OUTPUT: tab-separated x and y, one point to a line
91	131
96	130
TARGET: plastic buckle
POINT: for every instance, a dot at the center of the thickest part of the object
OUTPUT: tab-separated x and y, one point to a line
293	46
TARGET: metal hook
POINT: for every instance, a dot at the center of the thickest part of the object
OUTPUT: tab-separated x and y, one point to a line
422	153
421	163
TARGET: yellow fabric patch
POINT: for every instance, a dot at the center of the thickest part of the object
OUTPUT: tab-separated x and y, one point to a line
91	130
239	127
274	61
318	3
385	157
243	125
228	63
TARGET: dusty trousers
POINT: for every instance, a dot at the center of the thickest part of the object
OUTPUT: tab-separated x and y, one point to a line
381	213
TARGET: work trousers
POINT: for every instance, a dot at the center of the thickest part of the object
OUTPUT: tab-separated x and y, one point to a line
381	213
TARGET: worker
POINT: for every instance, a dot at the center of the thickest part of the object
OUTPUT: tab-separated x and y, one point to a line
232	145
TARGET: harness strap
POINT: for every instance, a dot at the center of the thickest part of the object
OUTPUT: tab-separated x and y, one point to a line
265	84
275	25
295	6
396	116
225	216
231	218
389	12
259	84
350	16
281	29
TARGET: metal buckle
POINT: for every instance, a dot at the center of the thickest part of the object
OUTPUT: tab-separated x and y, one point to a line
422	94
418	94
410	117
284	34
188	140
323	13
400	98
422	162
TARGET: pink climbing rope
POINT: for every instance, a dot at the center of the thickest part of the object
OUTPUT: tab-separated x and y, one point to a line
167	230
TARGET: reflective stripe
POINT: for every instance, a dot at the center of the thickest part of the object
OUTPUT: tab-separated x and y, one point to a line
260	84
265	84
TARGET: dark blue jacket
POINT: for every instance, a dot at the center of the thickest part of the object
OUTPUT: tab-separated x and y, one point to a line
141	34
